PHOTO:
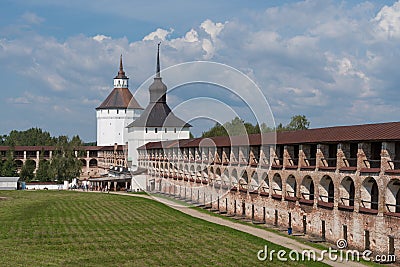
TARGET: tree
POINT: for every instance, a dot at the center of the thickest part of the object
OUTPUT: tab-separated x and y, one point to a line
239	127
27	171
42	173
233	128
9	168
298	122
65	165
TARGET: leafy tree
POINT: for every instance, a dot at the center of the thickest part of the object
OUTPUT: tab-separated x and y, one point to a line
239	127
27	171
298	122
9	168
30	137
232	128
65	165
42	173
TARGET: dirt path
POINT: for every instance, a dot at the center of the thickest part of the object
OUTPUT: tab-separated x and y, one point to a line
264	234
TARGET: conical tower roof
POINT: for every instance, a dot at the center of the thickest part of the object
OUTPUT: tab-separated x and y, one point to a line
120	98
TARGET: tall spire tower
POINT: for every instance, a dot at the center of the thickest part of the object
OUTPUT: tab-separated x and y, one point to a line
157	122
121	81
158	89
116	112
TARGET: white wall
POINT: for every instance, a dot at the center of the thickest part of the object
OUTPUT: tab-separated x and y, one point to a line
138	136
111	125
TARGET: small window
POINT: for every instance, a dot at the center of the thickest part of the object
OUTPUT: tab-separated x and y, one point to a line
117	111
174	130
166	130
125	111
155	130
108	111
146	130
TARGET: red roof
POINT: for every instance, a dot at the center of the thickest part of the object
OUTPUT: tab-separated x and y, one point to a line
120	98
52	148
389	131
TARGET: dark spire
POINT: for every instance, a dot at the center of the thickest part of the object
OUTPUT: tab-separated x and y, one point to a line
121	72
158	89
121	68
158	60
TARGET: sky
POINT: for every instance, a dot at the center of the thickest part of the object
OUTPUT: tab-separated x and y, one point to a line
336	62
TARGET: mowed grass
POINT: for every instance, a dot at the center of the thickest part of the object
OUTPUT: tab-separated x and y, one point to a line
59	228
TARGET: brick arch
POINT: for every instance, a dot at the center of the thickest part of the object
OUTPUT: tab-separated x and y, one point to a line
264	183
347	191
244	180
291	186
234	178
254	181
307	188
93	163
277	184
225	178
326	189
369	193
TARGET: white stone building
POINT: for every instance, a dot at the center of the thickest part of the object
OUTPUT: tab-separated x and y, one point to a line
116	112
157	122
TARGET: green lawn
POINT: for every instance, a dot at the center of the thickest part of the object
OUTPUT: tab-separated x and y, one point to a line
45	228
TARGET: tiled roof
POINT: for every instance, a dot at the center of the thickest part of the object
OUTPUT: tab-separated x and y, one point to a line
120	98
158	114
52	148
389	131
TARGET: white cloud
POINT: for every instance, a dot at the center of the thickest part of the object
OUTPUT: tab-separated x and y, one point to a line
28	98
388	21
308	57
160	34
101	37
61	109
208	48
32	18
213	29
191	36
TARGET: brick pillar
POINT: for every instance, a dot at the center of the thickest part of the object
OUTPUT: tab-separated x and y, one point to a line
319	156
361	156
302	157
387	154
286	157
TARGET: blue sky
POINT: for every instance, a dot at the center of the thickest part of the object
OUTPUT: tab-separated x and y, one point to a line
333	61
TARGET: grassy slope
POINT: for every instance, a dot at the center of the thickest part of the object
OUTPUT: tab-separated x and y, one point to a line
45	228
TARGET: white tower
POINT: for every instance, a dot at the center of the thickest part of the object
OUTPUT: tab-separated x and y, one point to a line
157	122
116	112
